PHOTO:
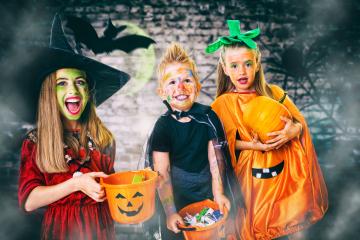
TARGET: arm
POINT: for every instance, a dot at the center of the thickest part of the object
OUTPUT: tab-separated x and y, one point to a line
291	130
217	185
44	195
165	190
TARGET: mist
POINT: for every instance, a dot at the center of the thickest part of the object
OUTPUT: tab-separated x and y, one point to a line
324	33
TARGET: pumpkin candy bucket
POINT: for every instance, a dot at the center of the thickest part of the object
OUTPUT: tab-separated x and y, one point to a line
131	195
212	232
262	115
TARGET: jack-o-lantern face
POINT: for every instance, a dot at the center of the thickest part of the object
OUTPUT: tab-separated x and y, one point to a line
130	207
265	173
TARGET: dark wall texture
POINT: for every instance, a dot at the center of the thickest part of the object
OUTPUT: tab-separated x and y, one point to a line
310	48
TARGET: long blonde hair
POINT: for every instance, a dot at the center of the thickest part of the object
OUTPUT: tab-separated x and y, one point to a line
50	130
175	53
224	83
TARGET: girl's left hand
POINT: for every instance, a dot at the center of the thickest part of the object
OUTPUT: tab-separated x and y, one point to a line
290	131
223	202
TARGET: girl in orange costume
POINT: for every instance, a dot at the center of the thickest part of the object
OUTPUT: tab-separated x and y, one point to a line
281	181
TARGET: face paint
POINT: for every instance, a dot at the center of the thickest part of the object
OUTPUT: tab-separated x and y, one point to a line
179	86
241	66
72	92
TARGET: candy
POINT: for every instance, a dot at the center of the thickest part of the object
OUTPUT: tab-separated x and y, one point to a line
206	217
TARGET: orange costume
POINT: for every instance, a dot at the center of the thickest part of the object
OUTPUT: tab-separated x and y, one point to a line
284	190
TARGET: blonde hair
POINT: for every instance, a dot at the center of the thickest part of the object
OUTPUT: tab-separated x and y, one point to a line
175	53
224	83
50	130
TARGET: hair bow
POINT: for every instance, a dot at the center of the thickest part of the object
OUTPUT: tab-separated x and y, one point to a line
235	36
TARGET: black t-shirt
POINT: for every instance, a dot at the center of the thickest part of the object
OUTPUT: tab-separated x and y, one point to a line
187	143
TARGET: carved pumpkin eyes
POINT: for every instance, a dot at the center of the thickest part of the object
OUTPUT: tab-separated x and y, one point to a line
137	194
119	196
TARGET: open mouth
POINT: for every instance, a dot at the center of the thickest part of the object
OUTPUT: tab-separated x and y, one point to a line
271	172
131	213
73	105
243	80
181	97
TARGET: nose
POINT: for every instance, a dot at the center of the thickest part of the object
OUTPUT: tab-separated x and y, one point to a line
242	69
180	85
73	88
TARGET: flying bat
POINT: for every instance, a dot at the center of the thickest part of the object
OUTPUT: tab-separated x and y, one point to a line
84	33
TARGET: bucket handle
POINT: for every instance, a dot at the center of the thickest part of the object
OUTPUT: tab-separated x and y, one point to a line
189	229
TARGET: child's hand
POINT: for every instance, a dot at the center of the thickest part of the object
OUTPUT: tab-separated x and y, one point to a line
88	185
172	221
223	202
290	131
257	145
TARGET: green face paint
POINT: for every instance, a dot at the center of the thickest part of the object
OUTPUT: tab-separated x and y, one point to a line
72	92
168	99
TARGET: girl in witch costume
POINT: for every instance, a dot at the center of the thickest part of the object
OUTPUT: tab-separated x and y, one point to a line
62	159
186	144
281	181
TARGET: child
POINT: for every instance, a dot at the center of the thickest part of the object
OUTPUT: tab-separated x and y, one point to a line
181	144
70	148
295	196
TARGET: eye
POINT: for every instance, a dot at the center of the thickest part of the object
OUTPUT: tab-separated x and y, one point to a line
233	65
172	82
187	80
248	64
61	83
119	196
81	82
137	194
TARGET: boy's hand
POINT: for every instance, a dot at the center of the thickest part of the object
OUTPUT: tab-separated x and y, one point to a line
172	221
223	202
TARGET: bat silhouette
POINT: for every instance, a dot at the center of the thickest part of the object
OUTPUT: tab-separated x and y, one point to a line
84	33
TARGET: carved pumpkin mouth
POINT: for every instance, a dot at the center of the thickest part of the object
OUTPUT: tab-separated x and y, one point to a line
131	213
264	173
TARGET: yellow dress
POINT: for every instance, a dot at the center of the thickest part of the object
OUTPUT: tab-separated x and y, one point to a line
284	190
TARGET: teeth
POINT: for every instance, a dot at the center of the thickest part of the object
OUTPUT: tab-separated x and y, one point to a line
73	100
181	97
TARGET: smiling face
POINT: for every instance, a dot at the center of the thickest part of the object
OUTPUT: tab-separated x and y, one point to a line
72	92
178	86
240	65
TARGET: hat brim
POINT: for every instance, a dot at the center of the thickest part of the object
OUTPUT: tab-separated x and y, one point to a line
38	63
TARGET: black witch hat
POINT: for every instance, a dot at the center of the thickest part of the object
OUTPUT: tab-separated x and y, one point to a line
38	62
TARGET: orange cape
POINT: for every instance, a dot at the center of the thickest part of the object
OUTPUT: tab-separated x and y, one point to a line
291	199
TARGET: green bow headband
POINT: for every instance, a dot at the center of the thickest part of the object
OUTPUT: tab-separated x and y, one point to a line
235	36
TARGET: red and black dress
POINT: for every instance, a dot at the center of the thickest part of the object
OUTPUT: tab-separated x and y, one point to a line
75	216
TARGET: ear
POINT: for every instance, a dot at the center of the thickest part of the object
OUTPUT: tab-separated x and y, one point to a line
161	93
258	64
224	68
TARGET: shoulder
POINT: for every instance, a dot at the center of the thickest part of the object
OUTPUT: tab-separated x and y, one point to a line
222	99
162	124
32	136
200	108
277	91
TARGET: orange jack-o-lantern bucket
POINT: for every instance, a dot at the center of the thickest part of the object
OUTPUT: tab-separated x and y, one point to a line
131	195
262	115
212	232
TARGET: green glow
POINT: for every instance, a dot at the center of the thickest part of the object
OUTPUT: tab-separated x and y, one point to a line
140	63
